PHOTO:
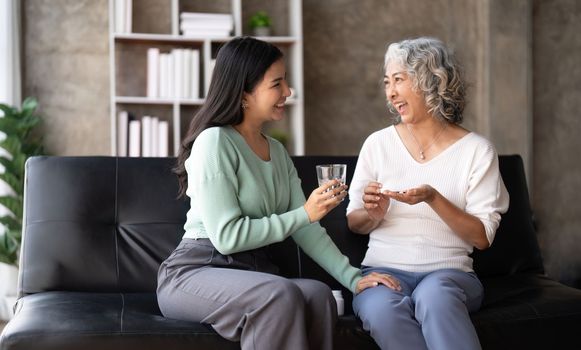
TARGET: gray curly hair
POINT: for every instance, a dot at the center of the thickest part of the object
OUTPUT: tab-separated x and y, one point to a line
434	72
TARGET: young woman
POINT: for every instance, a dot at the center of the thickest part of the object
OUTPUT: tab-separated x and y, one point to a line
427	191
245	194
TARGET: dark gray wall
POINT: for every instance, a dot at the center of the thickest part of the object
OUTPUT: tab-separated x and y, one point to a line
520	56
344	51
344	45
66	66
557	127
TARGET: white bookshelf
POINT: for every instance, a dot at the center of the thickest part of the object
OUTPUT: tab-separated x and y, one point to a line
127	90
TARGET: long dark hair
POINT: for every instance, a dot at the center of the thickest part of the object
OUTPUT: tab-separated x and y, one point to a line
240	65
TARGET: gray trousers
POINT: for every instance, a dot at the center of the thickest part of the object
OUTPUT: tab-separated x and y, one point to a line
243	300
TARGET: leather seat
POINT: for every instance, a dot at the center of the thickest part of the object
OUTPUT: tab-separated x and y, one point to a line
97	228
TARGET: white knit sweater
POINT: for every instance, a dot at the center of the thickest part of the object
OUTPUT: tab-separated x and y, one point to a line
413	237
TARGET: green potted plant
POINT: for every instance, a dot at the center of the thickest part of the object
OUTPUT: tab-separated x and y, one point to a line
20	144
260	23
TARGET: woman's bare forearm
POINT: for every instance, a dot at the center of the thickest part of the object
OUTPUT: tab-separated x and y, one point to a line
360	222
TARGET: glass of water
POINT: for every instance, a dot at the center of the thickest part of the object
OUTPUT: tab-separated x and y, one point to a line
328	172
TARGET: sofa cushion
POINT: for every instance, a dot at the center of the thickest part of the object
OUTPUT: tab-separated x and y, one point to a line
72	320
546	313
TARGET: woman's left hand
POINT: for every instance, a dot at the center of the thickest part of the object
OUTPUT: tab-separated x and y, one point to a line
424	193
374	279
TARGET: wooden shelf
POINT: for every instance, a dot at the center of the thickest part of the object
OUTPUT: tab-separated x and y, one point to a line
128	65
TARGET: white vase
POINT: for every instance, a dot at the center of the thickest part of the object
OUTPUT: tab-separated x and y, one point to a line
8	283
262	31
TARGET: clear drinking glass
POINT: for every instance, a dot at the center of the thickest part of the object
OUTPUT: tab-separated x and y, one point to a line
328	172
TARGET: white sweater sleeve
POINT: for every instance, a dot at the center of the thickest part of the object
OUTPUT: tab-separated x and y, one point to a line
487	196
364	173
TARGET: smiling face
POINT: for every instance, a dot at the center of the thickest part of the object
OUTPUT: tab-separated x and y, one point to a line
266	102
408	102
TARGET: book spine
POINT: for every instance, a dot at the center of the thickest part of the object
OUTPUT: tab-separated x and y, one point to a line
120	16
153	72
122	133
195	75
162	141
146	136
170	75
163	72
128	16
154	136
177	72
187	74
134	138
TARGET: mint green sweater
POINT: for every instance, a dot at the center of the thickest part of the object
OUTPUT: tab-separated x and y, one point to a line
241	202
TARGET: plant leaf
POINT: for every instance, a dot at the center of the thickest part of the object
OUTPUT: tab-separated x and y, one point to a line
11	144
14	204
9	126
33	149
16	184
28	123
17	125
11	223
8	111
28	106
19	161
8	165
15	235
8	249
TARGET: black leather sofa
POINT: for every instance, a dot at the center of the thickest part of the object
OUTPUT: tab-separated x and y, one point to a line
96	229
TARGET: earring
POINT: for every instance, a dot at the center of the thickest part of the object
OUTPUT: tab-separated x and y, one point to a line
244	104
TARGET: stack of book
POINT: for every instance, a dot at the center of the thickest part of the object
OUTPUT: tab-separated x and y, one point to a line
174	74
147	137
215	25
123	16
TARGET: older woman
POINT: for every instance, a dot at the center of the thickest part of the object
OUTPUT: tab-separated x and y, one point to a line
427	191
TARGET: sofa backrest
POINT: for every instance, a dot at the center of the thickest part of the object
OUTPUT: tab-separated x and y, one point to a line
104	224
100	224
515	247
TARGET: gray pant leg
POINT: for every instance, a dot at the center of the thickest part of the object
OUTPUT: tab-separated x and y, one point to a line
261	310
321	313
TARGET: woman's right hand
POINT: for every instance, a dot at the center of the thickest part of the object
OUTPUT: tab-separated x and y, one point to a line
324	199
375	202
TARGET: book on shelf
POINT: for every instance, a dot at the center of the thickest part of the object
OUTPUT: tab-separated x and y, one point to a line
122	133
123	16
212	33
195	74
163	73
148	137
211	66
163	139
207	17
170	77
174	74
146	146
134	148
206	24
152	72
178	59
186	87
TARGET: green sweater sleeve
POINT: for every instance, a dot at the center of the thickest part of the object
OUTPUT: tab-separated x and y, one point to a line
213	186
317	244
